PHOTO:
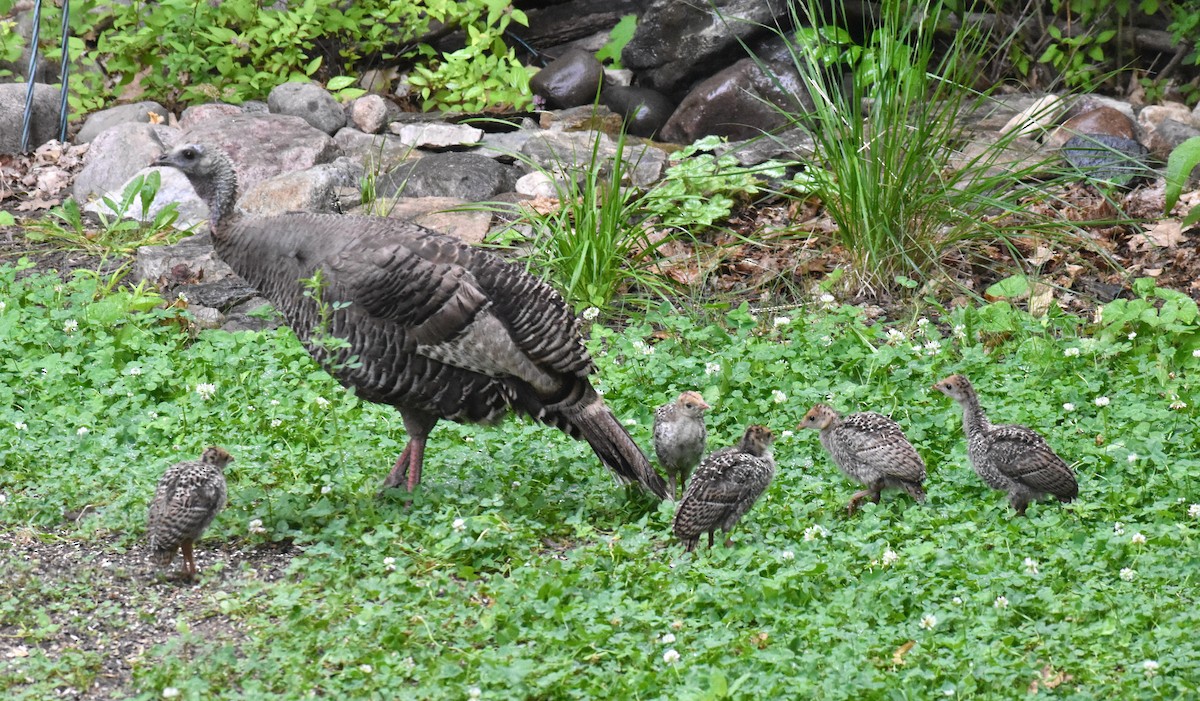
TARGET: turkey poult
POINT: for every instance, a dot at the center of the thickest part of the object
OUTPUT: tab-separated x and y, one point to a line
1013	459
680	437
433	327
188	497
725	486
871	449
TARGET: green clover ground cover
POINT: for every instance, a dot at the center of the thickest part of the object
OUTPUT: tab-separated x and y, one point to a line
520	571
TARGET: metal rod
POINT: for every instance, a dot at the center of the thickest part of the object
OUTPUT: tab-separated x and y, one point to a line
65	71
33	61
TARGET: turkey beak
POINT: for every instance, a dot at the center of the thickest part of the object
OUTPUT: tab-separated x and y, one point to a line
704	404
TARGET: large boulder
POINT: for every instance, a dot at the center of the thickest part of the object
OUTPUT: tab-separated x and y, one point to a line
310	102
43	123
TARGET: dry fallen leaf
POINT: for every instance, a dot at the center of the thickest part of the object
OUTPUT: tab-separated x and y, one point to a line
900	652
1040	298
1167	233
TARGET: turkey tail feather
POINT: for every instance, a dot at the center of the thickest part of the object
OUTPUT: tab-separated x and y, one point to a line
616	449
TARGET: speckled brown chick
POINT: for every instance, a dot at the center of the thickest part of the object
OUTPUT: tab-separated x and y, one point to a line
725	486
1013	459
188	497
680	437
871	449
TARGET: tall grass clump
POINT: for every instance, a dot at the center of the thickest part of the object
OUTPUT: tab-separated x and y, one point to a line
890	163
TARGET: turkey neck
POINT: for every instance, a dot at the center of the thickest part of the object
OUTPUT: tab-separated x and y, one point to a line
974	420
220	193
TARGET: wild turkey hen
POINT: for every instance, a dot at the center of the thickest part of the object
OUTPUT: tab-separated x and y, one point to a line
871	449
725	486
187	499
1013	459
433	327
680	437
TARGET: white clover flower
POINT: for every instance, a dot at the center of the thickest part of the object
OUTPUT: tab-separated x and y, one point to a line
957	601
1137	539
1132	335
591	313
3	498
787	555
152	414
895	335
922	323
1150	667
928	621
786	433
206	390
779	397
516	483
326	488
671	656
70	326
1001	602
322	402
366	668
959	331
135	371
1119	528
274	402
256	526
629	422
1178	404
933	347
1194	511
459	524
1031	565
276	423
1101	401
1068	406
20	425
1127	574
781	321
3	306
389	564
1132	457
82	431
170	692
818	531
712	368
890	557
827	298
408	663
474	692
1196	353
667	638
1070	352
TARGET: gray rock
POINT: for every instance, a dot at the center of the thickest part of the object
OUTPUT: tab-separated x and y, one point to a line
436	213
310	102
537	184
206	317
197	115
677	43
569	153
570	80
739	102
436	135
117	154
469	176
173	188
788	145
371	113
1166	135
645	111
254	314
1107	158
309	190
262	146
98	122
505	145
43	123
377	153
185	262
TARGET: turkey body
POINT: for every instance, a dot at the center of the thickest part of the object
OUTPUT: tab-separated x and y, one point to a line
188	497
870	449
680	437
1010	458
725	486
430	325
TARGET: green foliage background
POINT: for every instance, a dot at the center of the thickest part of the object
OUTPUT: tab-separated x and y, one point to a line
520	570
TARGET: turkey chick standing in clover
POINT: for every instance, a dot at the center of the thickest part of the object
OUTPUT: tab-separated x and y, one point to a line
871	449
680	437
432	326
186	501
1013	459
725	486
